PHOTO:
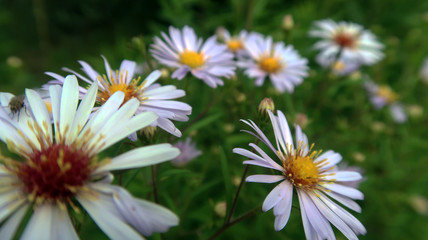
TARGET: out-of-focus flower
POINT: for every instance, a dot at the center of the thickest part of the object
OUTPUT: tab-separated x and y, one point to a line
229	127
266	105
14	61
347	42
188	152
149	132
378	127
382	95
151	96
419	204
183	50
287	22
338	67
358	157
220	209
424	71
301	120
236	181
236	43
415	110
282	64
59	166
314	176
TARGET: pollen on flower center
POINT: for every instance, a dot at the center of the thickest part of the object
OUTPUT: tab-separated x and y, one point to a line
344	40
54	173
192	58
387	94
234	45
270	64
118	83
301	170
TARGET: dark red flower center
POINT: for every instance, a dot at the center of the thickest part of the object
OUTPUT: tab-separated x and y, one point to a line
55	173
345	40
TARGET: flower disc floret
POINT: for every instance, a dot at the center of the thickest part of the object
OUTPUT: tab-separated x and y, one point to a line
55	173
192	58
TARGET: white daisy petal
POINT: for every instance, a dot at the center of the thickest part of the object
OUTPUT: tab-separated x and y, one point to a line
8	228
140	157
68	108
264	178
275	196
111	224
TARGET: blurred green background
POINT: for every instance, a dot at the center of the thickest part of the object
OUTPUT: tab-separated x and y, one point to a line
41	35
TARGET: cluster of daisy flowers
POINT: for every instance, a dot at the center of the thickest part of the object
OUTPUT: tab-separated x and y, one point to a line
57	134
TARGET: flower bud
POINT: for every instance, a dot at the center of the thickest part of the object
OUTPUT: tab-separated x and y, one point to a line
148	132
164	73
14	61
220	209
265	105
301	120
287	22
419	204
220	33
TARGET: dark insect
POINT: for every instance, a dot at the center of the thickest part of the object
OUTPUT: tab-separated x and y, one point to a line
16	104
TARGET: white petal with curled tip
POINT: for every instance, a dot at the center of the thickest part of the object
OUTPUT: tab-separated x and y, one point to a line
70	98
107	217
264	178
144	216
275	196
84	110
140	157
8	228
40	112
135	123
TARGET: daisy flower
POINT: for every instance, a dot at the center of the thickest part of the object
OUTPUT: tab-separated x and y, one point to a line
346	41
236	43
151	96
340	67
188	151
381	96
59	170
185	52
282	64
313	175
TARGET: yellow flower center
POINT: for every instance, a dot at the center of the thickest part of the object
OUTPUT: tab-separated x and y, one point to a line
235	45
386	93
192	58
270	64
301	170
338	66
133	89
